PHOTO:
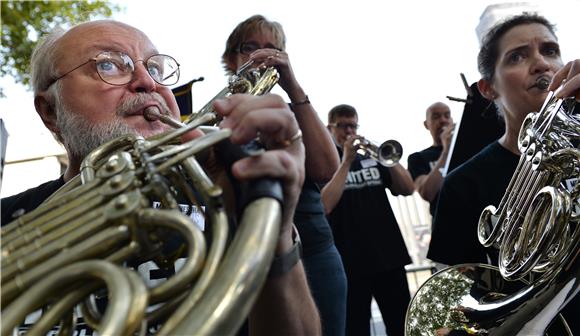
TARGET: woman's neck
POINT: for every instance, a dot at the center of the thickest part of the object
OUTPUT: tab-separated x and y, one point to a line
510	143
513	124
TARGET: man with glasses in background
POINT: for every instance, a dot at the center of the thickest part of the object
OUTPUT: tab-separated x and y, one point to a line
99	80
365	229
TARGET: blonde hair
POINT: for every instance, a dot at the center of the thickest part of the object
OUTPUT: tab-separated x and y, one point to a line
246	28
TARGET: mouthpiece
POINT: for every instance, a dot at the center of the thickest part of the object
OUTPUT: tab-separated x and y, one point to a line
244	66
151	113
542	83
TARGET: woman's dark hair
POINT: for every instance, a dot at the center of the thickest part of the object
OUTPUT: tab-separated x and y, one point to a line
488	53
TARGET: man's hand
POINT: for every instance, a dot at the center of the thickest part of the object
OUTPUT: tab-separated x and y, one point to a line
567	80
349	149
270	118
446	136
281	61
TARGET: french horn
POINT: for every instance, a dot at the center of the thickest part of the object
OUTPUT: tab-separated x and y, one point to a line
74	248
536	229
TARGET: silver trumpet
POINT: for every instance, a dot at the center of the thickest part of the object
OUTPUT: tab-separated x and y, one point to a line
388	153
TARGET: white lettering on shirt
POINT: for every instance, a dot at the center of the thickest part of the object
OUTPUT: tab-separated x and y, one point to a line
365	177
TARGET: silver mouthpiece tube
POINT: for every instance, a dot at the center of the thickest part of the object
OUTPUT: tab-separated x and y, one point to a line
152	113
542	83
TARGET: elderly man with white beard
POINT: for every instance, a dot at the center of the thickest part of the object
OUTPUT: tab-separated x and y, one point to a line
93	83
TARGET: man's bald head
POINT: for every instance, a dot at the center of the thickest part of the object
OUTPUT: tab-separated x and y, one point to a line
437	116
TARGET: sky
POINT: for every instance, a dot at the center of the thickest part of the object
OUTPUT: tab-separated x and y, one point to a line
390	60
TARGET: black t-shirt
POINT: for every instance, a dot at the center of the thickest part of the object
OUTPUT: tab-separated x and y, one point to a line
421	163
309	218
365	230
16	205
466	191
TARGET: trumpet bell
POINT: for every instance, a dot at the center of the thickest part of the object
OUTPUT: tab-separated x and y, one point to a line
390	153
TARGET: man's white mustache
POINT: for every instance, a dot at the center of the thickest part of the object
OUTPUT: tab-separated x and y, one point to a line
135	101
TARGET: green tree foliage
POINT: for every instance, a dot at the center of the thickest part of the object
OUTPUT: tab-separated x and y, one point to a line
23	22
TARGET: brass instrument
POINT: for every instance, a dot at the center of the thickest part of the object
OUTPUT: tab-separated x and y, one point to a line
255	81
74	245
388	153
535	227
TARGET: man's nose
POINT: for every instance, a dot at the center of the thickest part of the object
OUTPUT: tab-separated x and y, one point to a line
142	80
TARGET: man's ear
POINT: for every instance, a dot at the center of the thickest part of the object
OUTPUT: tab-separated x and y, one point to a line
486	89
46	111
425	124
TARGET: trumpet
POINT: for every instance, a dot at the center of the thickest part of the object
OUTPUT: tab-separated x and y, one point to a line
388	153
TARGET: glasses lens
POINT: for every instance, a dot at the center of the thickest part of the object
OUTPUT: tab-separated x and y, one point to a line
164	69
114	67
248	48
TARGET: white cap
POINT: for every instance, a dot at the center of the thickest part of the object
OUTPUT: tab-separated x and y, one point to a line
496	13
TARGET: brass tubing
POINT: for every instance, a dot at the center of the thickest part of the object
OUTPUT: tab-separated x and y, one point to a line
192	147
70	186
45	212
121	303
207	277
230	296
194	240
94	160
48	246
62	307
93	247
168	137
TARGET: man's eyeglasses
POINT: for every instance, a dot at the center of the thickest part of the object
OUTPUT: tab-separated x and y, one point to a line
247	48
117	68
344	126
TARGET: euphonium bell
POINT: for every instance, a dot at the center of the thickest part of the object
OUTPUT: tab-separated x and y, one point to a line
388	153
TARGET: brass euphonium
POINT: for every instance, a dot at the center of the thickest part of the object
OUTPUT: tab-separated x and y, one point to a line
388	153
536	228
76	243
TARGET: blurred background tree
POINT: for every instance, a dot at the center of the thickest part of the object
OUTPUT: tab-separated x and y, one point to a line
23	22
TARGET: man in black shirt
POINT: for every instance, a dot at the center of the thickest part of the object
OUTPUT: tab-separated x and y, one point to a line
365	229
425	166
